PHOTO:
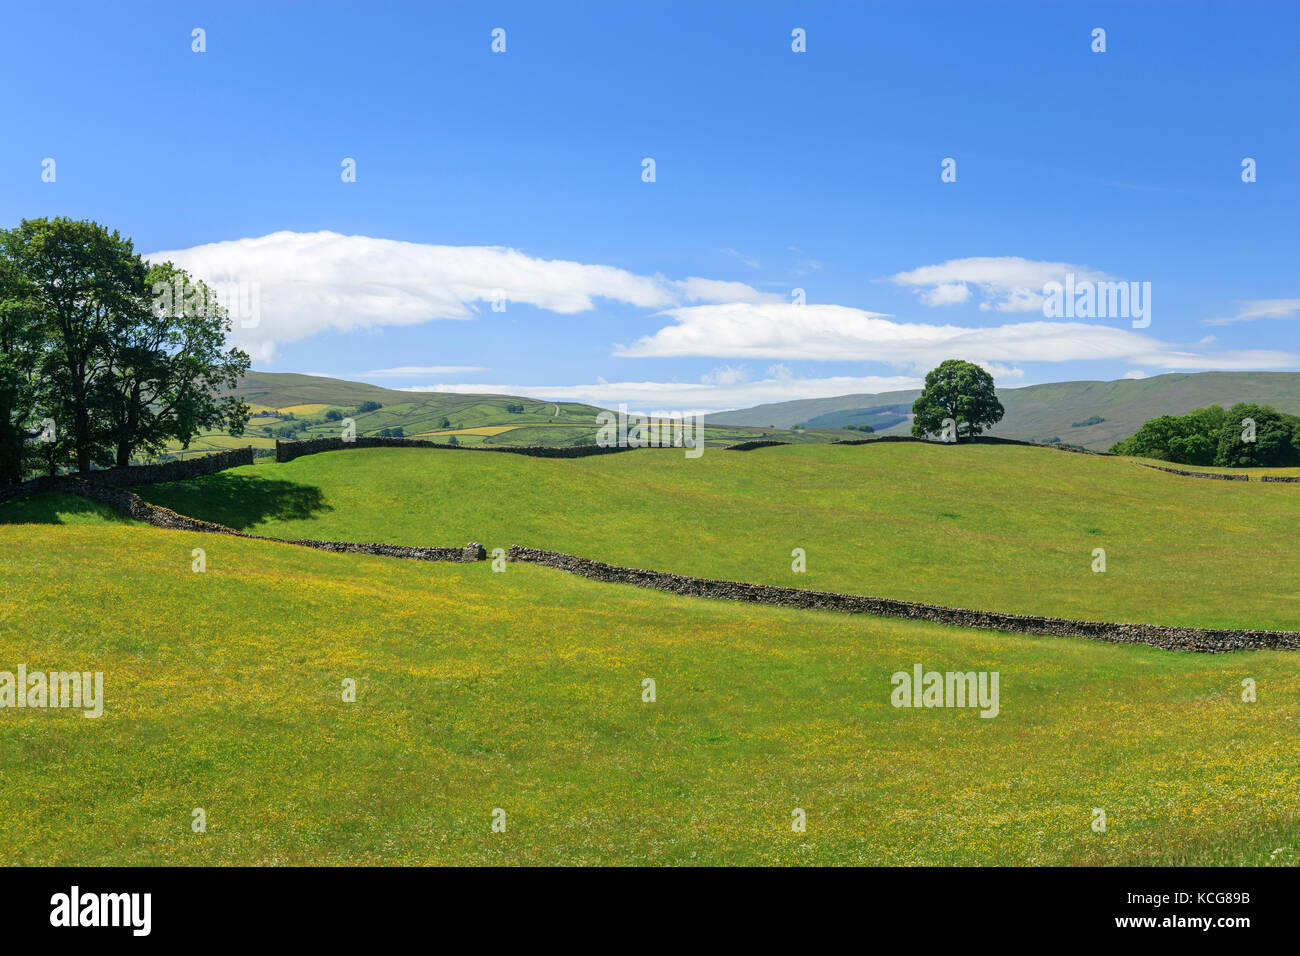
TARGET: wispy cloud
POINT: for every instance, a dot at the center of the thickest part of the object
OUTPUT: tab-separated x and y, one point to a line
748	261
1253	309
1006	283
838	333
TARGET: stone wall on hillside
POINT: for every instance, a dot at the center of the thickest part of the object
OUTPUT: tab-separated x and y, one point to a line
1204	640
1198	474
289	450
172	470
1292	478
138	474
979	440
756	443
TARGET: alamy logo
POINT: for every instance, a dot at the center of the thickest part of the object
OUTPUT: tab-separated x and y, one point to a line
666	430
57	689
954	689
1098	300
241	300
103	909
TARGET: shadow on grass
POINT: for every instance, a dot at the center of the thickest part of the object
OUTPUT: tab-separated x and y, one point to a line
237	501
58	509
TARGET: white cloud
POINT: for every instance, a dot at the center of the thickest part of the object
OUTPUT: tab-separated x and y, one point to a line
309	282
1136	373
725	375
1007	283
837	333
1253	309
715	290
1003	372
779	386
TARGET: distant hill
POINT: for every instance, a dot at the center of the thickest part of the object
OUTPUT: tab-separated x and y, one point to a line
1092	414
282	389
291	406
283	401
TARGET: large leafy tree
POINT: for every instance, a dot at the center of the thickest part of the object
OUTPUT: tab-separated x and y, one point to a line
89	341
1277	438
1190	439
961	391
1212	436
87	287
169	368
21	337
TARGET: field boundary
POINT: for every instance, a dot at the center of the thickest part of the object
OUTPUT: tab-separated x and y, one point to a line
1166	637
1197	639
179	470
1201	474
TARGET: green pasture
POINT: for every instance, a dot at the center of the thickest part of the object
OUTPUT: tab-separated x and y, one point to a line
982	526
522	691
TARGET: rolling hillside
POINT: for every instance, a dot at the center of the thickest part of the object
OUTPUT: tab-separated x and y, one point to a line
523	691
1056	410
994	527
290	406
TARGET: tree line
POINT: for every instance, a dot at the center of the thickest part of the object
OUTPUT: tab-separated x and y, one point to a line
104	356
1246	435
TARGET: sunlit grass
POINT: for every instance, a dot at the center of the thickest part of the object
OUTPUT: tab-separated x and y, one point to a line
522	690
992	527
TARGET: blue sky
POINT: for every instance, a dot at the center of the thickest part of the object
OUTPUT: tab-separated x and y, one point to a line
519	175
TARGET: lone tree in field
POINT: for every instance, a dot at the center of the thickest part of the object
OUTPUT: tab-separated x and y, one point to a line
960	391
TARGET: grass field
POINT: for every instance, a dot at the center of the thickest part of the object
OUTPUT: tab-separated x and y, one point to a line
522	690
994	527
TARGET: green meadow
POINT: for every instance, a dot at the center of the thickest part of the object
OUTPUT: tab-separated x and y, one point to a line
522	690
993	527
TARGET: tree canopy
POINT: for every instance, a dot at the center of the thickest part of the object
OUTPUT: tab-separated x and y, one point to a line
960	391
1247	435
120	355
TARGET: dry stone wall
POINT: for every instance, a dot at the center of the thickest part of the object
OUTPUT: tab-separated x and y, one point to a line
1199	474
172	470
139	474
1205	640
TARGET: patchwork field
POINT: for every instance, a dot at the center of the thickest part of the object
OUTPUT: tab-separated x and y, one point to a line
290	406
522	691
981	526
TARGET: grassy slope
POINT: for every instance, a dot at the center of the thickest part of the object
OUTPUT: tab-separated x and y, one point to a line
522	691
1039	412
994	527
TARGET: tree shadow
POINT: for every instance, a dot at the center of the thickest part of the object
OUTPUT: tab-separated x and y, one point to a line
54	508
237	501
